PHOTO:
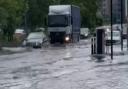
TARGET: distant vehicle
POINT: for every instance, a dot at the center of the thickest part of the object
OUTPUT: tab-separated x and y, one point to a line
124	29
84	33
19	34
19	31
64	23
116	37
35	40
41	29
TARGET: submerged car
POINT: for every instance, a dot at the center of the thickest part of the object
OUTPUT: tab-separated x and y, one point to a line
35	39
116	37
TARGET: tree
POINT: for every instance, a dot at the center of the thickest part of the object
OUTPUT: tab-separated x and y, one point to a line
37	13
88	11
11	12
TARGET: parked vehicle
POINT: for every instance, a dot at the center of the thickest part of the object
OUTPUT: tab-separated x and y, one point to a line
123	29
35	39
19	35
64	23
41	29
19	32
116	37
84	33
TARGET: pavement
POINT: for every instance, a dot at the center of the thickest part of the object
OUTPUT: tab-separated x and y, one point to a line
14	49
69	67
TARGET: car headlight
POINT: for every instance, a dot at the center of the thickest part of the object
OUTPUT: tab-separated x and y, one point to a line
86	34
67	38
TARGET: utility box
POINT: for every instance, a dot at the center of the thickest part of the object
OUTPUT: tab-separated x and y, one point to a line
100	41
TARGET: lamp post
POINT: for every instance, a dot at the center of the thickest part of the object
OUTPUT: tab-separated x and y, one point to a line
121	25
126	15
25	17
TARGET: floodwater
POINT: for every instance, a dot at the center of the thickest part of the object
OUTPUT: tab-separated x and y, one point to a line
64	67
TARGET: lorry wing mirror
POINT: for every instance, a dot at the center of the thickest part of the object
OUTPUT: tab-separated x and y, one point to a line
71	21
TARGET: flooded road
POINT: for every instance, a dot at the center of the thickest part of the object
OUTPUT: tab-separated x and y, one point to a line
69	67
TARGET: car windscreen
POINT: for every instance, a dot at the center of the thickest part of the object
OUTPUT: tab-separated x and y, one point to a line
115	33
35	36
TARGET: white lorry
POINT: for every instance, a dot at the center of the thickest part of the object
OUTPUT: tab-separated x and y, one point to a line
64	23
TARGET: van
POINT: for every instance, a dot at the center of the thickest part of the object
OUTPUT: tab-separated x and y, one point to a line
116	37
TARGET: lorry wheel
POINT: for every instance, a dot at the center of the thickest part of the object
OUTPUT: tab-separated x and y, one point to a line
51	41
61	42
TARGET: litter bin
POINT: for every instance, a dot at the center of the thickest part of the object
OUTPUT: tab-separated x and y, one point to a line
100	41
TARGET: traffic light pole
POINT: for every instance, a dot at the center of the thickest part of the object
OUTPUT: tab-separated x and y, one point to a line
111	30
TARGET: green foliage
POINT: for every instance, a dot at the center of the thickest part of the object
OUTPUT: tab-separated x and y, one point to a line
11	12
37	13
14	12
38	10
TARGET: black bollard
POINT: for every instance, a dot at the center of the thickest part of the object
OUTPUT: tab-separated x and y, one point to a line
100	42
92	49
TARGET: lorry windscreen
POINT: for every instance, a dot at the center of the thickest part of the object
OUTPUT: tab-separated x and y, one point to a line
57	20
